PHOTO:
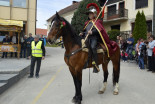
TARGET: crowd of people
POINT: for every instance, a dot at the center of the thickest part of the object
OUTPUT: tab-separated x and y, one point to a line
25	42
143	52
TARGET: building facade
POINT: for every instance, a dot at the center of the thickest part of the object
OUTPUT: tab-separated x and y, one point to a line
66	13
20	10
121	14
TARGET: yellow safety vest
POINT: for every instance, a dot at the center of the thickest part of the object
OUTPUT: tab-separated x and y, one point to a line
36	50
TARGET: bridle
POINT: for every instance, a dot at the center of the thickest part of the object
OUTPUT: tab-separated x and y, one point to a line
58	32
73	52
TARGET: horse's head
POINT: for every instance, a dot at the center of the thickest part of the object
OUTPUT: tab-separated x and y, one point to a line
56	29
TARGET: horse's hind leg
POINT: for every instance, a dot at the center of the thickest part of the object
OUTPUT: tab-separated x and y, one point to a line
105	71
116	72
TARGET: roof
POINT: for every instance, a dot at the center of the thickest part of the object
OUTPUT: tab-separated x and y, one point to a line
41	31
67	9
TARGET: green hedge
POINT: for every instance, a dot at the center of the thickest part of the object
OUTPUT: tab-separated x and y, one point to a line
113	34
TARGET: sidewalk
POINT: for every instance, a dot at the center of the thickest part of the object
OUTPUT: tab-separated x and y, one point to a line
11	71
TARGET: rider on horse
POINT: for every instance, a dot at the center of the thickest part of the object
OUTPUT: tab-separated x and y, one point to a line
97	34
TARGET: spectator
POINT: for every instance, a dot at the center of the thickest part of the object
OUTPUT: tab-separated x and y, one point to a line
23	46
137	45
124	56
141	54
153	69
150	52
37	53
129	50
136	50
14	40
61	41
145	58
29	40
43	39
5	40
123	44
118	40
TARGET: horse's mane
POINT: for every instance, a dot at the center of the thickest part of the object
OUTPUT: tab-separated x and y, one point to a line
76	39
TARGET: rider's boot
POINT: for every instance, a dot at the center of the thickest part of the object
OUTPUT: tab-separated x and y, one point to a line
95	62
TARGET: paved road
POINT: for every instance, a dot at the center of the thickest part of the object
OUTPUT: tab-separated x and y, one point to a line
55	85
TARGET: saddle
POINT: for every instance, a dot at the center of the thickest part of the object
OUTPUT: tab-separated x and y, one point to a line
100	48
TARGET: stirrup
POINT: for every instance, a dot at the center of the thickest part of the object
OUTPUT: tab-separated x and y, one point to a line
96	66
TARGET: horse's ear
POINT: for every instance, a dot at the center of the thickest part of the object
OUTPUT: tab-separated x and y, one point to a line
57	15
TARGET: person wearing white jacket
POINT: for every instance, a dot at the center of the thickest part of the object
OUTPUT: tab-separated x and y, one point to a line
150	52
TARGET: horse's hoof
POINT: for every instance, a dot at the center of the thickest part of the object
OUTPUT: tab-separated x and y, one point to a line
115	93
78	102
74	100
100	92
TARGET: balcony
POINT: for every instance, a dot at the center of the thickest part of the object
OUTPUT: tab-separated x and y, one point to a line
121	14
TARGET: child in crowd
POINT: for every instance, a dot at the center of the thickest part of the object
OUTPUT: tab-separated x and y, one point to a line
141	54
124	56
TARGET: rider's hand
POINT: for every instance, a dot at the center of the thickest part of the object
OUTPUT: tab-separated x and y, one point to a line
81	34
90	32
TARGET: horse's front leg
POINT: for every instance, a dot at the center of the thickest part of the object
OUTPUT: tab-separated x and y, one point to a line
105	69
77	78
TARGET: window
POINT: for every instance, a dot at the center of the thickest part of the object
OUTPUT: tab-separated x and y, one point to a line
112	10
141	4
5	2
19	3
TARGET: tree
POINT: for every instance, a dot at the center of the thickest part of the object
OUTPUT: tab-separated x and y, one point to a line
140	29
144	26
80	16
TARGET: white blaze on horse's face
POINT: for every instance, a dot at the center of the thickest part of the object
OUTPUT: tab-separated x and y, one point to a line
50	36
52	24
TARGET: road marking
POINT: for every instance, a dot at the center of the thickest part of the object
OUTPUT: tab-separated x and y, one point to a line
45	87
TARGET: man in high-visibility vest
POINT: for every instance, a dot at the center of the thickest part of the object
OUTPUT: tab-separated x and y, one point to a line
37	54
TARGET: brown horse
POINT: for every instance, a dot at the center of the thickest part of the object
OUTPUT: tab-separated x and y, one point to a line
75	58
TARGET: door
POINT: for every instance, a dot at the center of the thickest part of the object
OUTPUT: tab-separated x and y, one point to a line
121	9
111	10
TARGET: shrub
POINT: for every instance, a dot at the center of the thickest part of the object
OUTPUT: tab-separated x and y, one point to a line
113	34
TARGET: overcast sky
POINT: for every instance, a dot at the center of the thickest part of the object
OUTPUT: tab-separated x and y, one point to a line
47	8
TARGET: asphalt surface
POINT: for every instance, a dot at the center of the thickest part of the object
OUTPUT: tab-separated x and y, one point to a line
55	85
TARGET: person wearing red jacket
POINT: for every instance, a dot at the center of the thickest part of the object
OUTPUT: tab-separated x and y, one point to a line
153	58
97	34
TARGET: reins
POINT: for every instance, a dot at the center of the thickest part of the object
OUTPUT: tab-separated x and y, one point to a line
73	53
